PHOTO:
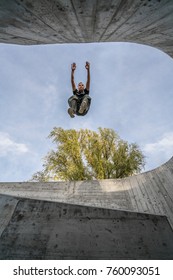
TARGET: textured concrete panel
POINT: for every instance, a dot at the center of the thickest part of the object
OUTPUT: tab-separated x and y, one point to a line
28	22
51	230
7	207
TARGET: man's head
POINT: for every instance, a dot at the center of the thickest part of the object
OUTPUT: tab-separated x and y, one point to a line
80	86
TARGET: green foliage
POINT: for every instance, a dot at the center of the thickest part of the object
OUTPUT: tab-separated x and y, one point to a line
86	154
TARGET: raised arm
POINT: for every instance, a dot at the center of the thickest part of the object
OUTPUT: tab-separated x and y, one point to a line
73	68
87	66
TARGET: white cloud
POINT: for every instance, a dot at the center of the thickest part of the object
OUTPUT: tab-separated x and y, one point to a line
7	145
158	152
164	144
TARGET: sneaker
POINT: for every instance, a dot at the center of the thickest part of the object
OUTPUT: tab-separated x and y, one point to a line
71	112
83	107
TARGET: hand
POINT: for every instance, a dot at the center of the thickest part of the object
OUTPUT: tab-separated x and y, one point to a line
73	66
87	66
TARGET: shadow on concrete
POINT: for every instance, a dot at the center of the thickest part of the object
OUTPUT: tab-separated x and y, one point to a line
51	230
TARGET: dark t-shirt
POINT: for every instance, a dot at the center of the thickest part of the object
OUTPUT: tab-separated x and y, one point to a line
80	94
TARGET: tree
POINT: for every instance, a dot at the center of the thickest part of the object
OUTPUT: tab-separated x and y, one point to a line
86	154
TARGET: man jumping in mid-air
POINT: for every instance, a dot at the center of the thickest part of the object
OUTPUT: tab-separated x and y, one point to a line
80	101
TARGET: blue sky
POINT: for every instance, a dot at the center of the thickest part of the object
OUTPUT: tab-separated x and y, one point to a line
131	90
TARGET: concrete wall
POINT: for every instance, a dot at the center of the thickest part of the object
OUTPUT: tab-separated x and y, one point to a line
29	22
150	192
50	230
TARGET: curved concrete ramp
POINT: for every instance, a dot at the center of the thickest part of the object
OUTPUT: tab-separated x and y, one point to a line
50	230
150	192
87	228
49	22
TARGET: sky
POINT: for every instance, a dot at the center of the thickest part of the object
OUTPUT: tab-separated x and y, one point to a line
131	90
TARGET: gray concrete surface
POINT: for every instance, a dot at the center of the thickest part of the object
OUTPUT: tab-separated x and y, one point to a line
28	22
51	230
150	192
36	224
7	207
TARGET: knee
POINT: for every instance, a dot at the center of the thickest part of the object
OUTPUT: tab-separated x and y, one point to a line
71	99
87	97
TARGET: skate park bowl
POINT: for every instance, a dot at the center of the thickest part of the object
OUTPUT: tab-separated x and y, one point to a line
130	218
